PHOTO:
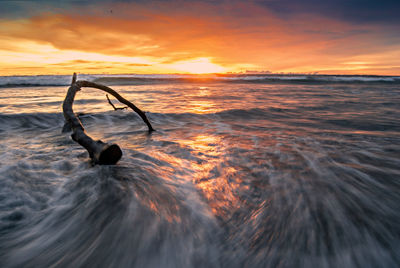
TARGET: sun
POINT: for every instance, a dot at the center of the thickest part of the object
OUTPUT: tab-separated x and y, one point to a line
198	66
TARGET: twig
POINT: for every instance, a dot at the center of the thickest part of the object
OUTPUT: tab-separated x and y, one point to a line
115	108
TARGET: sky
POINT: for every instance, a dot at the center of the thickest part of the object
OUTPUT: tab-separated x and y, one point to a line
289	36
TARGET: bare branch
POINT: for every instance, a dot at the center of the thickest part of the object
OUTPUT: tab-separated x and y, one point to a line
115	108
83	83
73	79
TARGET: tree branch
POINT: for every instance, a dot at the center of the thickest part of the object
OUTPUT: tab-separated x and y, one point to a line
83	83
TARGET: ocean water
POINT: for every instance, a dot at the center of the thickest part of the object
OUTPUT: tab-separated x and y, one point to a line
242	171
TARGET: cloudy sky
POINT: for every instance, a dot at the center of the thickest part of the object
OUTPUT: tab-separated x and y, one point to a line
330	36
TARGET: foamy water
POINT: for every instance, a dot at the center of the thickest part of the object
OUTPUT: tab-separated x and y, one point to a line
242	174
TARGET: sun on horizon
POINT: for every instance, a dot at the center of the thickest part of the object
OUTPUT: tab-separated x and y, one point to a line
198	66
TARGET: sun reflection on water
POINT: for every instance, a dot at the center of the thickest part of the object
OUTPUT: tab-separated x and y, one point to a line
217	181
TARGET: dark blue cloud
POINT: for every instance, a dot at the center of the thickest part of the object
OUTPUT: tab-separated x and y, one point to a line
357	11
28	8
22	9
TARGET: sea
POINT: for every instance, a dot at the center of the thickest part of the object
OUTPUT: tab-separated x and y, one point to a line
243	170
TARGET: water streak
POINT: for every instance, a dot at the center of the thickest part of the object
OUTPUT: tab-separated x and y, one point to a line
236	175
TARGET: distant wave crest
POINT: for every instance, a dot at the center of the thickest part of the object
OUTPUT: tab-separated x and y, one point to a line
136	79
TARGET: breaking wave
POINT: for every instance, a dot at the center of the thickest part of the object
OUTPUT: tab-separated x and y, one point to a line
137	79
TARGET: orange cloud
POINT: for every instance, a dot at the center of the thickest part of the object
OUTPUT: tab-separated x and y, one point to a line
137	38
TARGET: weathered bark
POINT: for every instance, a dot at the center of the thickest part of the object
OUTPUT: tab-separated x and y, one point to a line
100	152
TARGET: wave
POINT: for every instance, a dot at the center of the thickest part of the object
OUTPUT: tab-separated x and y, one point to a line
52	120
161	79
137	79
296	117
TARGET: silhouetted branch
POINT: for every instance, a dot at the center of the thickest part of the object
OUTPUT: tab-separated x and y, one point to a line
83	83
115	108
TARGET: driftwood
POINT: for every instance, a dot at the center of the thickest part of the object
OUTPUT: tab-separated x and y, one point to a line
100	152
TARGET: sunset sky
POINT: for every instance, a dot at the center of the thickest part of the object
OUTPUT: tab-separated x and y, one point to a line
329	37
